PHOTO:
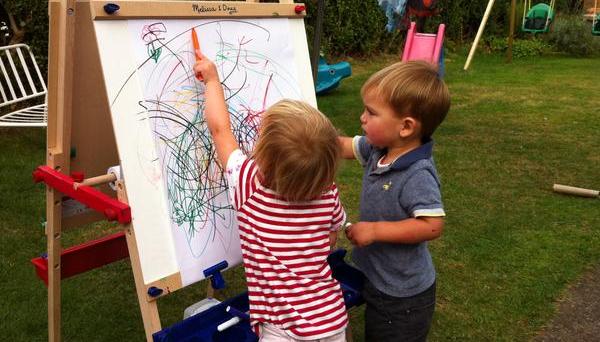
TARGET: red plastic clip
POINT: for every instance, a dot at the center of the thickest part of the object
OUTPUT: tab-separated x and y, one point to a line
113	209
77	176
299	9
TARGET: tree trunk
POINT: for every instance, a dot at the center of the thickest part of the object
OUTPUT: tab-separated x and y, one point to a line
18	33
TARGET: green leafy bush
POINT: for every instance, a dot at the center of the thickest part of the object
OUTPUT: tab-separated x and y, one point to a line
572	35
352	27
521	47
356	27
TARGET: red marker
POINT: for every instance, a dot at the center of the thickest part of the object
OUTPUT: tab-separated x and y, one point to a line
196	50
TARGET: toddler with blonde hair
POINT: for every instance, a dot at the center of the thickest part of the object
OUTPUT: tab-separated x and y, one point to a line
401	205
288	211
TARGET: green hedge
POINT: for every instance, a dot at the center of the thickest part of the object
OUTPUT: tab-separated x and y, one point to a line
351	27
573	36
521	47
356	27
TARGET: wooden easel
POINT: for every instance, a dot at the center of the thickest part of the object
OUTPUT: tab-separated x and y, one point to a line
80	133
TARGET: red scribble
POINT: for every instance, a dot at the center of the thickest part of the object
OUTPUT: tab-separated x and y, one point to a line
253	116
152	32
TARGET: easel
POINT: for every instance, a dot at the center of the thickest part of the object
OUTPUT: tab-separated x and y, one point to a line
80	138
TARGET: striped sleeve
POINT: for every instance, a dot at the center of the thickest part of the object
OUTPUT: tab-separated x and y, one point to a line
339	215
240	174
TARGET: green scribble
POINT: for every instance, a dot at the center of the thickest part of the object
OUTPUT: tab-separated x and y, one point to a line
154	53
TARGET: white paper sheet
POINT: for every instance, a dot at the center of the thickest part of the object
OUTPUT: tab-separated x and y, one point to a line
181	213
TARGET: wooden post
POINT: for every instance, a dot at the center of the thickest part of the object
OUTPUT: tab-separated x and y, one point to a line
571	190
148	308
60	84
98	180
511	31
317	39
486	15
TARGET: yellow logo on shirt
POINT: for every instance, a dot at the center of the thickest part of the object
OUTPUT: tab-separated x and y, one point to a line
387	186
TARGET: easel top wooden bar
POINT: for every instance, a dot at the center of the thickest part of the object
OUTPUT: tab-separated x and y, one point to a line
194	9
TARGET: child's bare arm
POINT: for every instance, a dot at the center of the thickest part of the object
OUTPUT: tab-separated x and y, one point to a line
215	110
346	145
332	240
412	230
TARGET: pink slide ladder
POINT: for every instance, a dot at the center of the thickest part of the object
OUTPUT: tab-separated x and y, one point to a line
423	46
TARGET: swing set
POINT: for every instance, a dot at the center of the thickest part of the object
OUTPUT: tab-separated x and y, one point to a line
537	19
596	20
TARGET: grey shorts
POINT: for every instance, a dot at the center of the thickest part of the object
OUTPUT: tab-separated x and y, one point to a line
389	318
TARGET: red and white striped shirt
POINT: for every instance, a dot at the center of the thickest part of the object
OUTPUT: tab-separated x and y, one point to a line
285	247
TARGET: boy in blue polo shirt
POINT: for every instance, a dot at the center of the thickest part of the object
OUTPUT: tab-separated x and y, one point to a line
400	203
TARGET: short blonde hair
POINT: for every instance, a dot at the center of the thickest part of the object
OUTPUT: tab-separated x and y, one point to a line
297	150
412	89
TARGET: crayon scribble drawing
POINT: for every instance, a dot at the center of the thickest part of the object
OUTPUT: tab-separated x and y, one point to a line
257	68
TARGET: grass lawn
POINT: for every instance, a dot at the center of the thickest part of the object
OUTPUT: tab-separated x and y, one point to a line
510	249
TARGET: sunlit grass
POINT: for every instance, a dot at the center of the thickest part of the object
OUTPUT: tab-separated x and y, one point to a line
510	247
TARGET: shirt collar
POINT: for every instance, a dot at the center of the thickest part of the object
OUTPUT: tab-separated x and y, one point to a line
422	152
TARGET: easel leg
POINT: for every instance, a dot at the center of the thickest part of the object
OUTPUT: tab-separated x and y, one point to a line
53	237
60	82
149	309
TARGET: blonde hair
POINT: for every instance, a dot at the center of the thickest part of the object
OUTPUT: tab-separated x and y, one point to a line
412	89
297	150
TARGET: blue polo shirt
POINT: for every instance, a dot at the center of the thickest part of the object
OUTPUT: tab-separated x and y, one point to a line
408	187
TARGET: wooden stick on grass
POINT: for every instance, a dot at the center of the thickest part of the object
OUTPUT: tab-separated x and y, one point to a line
571	190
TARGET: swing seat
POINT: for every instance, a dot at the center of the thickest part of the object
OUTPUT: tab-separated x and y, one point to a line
538	19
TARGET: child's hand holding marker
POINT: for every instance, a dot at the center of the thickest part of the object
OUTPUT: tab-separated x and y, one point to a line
197	53
205	69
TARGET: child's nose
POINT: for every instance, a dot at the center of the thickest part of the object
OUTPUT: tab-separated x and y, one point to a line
363	118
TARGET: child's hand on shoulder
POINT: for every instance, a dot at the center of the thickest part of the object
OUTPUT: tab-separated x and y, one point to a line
361	234
205	68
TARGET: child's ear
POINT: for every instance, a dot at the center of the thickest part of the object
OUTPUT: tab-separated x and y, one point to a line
409	126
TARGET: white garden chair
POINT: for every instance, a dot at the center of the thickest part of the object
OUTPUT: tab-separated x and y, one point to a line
23	93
